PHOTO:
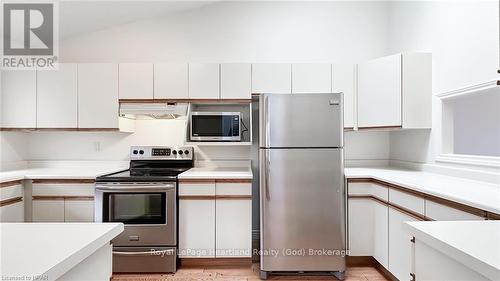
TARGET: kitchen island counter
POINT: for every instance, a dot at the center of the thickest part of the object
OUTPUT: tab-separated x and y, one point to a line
57	251
473	244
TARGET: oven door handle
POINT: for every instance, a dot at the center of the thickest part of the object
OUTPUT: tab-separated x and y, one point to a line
163	252
131	187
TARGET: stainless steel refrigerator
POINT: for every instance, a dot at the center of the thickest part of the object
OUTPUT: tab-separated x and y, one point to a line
302	198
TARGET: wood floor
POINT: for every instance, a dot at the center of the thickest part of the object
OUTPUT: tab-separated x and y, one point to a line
244	273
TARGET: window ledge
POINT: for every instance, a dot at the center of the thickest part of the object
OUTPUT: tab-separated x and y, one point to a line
488	161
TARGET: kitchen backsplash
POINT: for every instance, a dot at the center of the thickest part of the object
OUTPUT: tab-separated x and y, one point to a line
113	146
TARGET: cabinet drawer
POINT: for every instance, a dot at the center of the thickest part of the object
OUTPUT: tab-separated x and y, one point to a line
368	188
441	212
233	189
10	192
63	189
12	212
201	188
406	200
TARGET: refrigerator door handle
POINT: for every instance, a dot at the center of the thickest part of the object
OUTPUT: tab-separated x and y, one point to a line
264	121
267	172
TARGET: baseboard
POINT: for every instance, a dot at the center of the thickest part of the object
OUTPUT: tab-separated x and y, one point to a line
352	261
206	262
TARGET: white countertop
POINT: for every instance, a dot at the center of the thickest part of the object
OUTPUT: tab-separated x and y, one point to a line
217	173
482	195
59	173
477	246
50	249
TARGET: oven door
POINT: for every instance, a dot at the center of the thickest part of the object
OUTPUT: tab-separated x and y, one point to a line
215	126
148	211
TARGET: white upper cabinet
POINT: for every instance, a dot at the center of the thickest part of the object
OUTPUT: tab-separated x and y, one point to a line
236	81
417	90
18	99
136	81
98	95
379	92
204	81
395	91
171	81
311	78
344	80
272	78
57	97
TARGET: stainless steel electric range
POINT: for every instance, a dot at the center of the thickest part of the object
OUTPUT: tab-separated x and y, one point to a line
144	198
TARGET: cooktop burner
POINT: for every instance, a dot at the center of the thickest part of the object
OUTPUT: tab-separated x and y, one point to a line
153	164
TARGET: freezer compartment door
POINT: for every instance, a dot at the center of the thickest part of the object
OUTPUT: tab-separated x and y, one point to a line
302	210
301	120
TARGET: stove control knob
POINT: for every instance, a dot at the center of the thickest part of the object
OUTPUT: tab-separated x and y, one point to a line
135	152
180	152
141	152
186	152
174	152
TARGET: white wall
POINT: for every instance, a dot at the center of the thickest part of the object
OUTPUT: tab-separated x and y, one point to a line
112	146
243	31
222	32
463	37
13	149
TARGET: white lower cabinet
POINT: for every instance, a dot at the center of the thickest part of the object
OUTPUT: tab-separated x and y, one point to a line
381	233
360	227
377	229
400	247
215	219
368	229
233	208
62	202
12	213
78	210
233	228
48	210
196	228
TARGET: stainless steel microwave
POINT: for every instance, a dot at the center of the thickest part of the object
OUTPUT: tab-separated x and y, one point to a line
215	126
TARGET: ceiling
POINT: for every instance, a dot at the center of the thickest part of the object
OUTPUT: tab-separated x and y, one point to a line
78	17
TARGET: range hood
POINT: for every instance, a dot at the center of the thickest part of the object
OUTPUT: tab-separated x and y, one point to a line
153	110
